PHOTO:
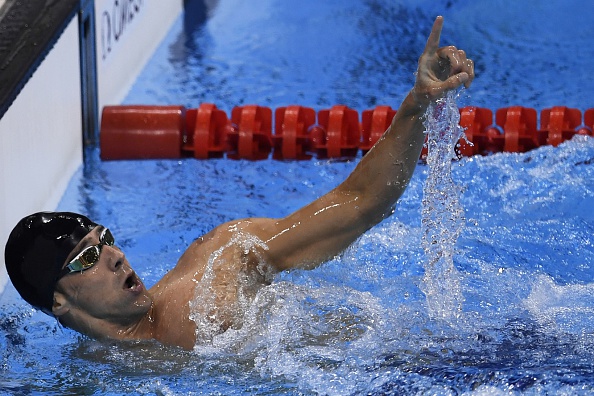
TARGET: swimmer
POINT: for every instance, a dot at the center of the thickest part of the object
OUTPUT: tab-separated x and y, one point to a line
71	268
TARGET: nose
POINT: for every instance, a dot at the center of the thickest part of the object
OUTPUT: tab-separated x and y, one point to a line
115	257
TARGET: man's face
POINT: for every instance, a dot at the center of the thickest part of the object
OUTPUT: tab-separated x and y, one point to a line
109	290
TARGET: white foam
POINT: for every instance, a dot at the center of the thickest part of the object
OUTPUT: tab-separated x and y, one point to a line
562	308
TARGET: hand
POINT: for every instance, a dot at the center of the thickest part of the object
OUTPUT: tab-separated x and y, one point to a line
440	69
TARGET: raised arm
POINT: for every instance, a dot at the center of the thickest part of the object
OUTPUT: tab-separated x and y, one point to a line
324	228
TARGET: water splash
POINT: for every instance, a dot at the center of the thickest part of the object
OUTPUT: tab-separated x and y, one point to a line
228	286
442	214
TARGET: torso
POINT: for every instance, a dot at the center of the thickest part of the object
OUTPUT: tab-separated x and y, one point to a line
211	280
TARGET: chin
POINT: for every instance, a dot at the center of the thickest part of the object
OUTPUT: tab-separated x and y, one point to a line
143	303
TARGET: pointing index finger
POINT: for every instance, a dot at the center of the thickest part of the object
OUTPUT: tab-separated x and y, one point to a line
433	40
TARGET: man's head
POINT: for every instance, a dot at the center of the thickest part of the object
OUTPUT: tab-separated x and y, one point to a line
68	266
36	252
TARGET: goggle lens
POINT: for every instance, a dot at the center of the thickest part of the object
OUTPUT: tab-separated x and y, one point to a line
90	255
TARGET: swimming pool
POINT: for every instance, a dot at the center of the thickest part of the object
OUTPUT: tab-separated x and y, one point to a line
359	324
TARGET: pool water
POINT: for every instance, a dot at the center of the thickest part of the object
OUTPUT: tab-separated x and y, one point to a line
359	324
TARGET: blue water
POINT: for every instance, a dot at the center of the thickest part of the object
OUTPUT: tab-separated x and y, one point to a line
359	324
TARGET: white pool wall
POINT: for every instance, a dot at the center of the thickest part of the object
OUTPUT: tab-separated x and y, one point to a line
119	58
40	138
41	133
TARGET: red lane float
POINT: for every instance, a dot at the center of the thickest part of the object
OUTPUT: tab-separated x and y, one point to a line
339	135
251	138
588	127
476	122
559	124
136	132
207	129
519	129
374	123
141	132
589	119
291	138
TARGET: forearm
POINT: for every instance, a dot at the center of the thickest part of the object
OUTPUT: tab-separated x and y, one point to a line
384	172
331	223
325	227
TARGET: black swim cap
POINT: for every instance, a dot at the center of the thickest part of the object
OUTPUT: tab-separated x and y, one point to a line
36	251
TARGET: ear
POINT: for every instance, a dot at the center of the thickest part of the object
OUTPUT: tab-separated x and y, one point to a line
61	304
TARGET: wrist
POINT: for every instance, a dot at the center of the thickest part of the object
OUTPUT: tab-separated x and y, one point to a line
415	103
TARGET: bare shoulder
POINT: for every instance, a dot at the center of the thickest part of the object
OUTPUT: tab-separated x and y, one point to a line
244	238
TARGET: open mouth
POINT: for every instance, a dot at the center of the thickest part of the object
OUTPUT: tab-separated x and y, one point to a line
133	283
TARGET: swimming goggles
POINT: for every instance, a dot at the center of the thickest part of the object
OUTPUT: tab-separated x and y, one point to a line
90	255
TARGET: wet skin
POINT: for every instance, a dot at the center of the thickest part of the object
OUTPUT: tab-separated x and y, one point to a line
109	301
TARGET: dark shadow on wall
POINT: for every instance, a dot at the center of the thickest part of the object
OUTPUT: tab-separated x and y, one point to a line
196	13
28	31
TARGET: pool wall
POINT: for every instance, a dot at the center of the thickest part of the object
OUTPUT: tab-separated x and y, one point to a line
41	132
126	38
